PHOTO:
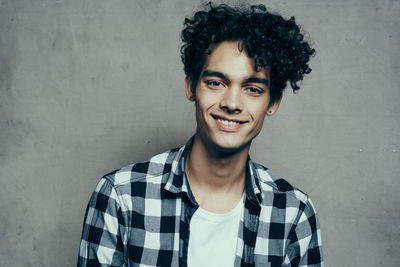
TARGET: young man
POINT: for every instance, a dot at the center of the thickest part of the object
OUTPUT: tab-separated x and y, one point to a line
207	203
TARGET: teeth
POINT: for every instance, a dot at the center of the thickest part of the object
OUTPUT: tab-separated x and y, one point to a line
225	122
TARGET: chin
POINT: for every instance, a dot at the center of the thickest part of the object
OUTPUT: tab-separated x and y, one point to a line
225	145
223	142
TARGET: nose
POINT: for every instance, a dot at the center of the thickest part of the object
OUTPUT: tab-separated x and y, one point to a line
231	101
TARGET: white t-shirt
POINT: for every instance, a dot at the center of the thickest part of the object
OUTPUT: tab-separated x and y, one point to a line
213	237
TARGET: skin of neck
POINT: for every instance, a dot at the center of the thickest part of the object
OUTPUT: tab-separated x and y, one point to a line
212	169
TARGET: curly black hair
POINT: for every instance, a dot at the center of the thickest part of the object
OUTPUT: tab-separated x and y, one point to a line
268	38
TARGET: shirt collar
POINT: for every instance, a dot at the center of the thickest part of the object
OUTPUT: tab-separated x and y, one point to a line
252	184
177	180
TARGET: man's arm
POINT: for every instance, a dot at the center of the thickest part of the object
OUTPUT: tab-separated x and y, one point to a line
305	247
103	229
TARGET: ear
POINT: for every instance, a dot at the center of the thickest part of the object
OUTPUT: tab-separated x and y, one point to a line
273	107
188	87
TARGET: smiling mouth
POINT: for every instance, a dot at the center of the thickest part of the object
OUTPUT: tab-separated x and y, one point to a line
228	122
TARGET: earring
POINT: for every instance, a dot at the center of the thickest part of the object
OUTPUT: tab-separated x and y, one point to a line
270	111
191	97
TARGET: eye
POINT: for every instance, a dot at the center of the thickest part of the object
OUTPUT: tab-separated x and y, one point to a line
213	83
254	90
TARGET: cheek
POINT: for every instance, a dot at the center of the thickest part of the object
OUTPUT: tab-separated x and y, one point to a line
258	116
258	110
204	102
201	110
259	122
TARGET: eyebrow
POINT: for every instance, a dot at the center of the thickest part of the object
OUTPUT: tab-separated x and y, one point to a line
257	80
208	73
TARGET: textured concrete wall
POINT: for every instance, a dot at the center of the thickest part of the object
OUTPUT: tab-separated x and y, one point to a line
90	86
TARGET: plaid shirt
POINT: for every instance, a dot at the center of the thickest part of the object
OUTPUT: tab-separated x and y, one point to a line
140	215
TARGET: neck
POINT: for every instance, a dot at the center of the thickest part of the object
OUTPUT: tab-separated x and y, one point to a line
214	170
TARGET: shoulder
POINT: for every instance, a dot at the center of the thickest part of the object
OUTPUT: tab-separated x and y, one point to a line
151	169
282	201
271	183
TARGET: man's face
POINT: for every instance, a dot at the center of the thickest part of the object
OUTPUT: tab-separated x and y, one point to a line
231	98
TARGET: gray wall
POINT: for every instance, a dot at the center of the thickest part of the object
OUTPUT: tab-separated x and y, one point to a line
90	86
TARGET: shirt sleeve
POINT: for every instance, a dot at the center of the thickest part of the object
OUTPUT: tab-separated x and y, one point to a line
103	229
305	246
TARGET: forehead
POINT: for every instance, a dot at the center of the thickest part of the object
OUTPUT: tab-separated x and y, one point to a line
227	58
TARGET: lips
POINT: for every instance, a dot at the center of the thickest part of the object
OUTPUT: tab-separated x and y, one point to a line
228	124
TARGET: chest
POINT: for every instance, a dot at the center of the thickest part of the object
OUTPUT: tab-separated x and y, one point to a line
163	240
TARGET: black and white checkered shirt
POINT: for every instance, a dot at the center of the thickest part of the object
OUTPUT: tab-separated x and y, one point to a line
139	215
